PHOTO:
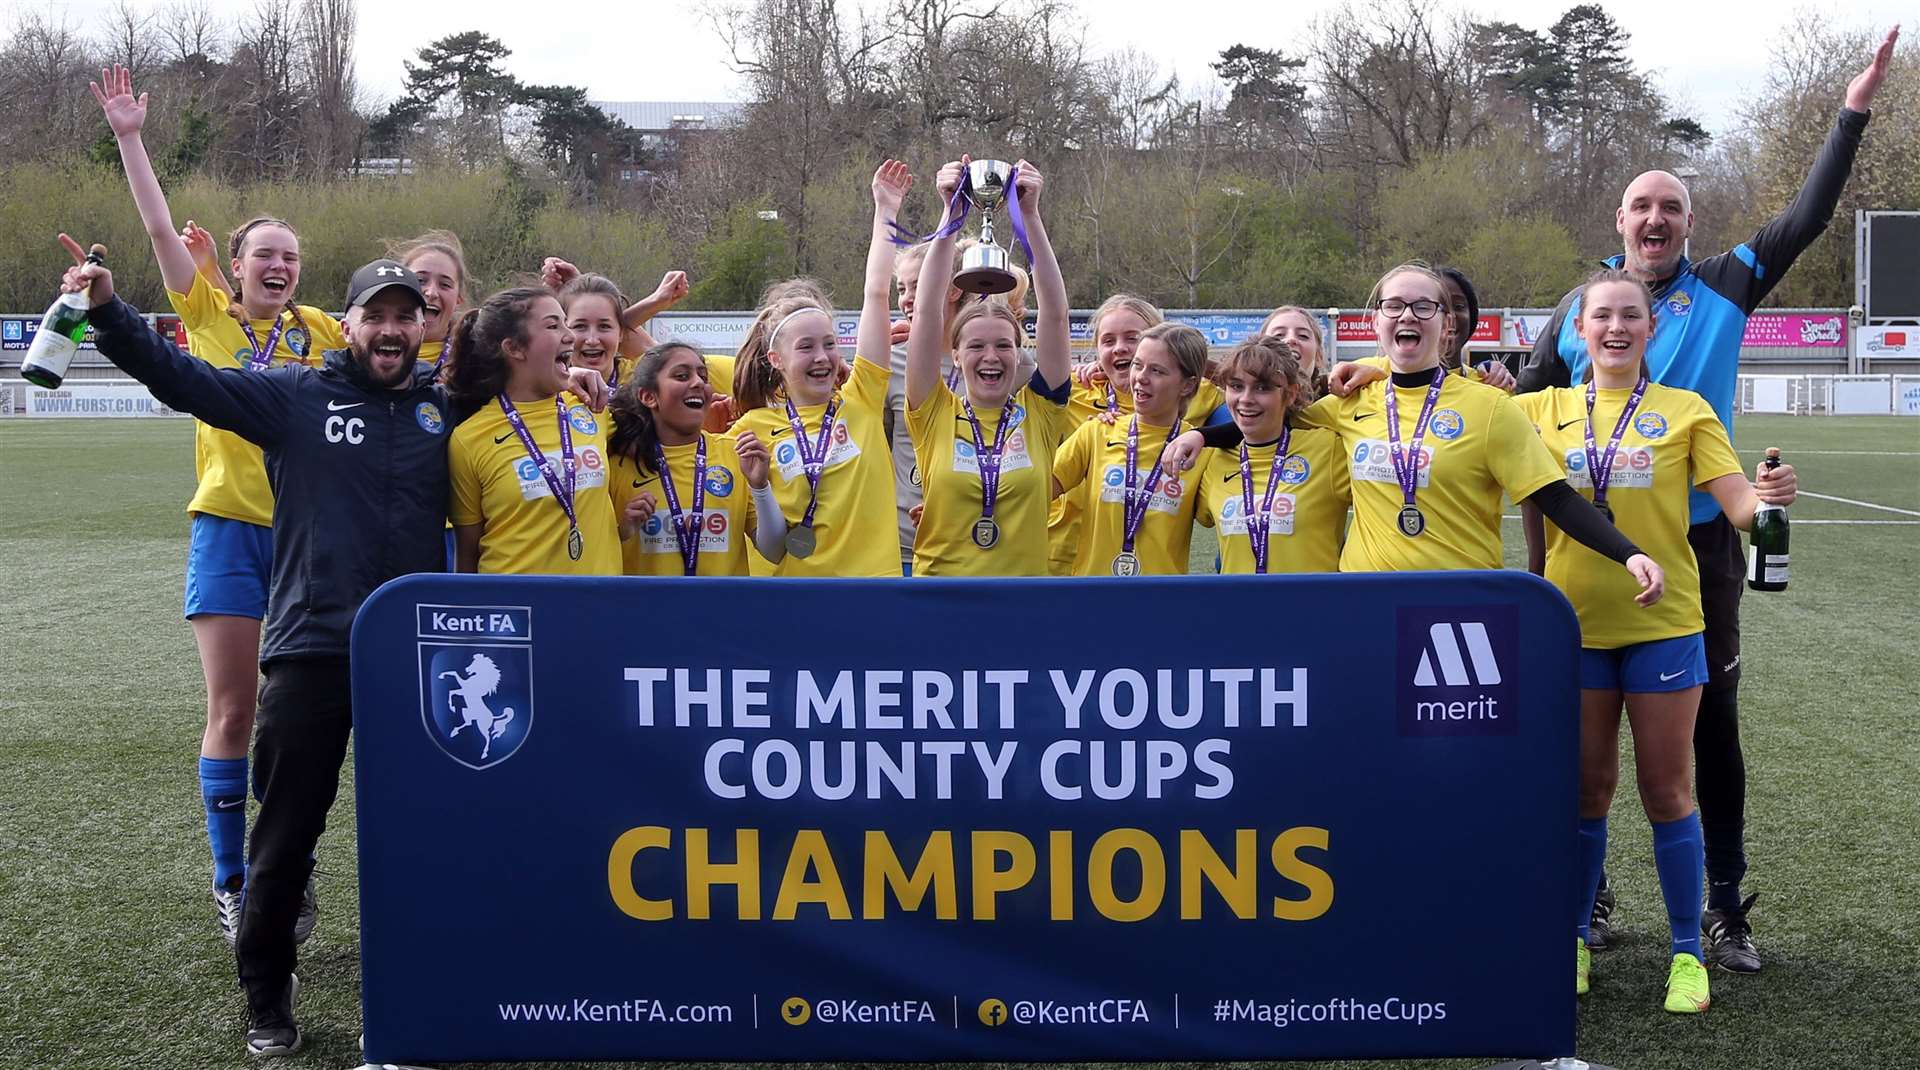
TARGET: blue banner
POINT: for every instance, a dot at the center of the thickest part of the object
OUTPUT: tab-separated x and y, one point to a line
1170	819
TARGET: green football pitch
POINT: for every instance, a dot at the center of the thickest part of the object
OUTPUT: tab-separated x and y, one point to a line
109	957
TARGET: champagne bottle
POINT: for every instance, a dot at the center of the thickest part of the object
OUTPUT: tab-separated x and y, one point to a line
1767	561
62	330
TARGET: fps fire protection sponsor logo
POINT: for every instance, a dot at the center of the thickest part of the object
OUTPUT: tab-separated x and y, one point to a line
1454	670
476	695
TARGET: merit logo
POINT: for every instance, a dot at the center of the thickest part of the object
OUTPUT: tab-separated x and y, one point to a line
1454	666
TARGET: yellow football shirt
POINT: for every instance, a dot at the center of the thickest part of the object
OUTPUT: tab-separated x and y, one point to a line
231	473
949	466
854	529
1091	465
1086	403
1675	442
496	485
429	355
1478	444
1379	360
1309	508
727	513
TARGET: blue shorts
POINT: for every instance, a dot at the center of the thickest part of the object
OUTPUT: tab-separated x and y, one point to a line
1643	668
228	565
452	558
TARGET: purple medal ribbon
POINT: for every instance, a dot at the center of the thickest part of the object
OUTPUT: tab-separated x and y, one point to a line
562	493
1406	463
814	459
957	207
1113	401
262	356
1138	501
686	529
1259	525
989	461
1599	467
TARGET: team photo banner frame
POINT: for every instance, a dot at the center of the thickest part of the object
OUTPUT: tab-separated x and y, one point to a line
1192	818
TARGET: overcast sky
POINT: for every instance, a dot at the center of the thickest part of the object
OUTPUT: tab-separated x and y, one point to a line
1704	53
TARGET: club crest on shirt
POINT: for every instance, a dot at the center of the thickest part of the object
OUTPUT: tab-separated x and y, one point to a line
1295	470
1632	467
719	480
427	415
1447	424
243	355
299	341
1373	463
582	420
1650	424
1679	303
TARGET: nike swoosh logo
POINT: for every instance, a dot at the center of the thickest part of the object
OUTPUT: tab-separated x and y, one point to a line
1665	676
1359	416
503	438
229	804
1568	424
334	406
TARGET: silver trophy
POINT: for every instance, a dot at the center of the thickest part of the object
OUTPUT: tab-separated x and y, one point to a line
986	268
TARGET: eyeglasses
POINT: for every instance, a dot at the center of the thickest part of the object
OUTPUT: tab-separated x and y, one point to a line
1423	309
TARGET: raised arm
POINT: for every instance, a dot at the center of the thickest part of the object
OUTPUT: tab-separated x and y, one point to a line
672	289
929	334
253	405
875	338
126	114
1774	248
1051	349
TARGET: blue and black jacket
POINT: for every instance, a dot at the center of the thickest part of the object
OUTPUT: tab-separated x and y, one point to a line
1701	312
359	472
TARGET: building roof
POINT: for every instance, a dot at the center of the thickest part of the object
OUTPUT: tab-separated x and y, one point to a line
657	116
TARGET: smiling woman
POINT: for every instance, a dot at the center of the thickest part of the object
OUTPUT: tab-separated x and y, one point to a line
529	470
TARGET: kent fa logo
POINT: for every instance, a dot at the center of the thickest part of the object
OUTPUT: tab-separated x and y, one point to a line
476	680
478	702
1455	670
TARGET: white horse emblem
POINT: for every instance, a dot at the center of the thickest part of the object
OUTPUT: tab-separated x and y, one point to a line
468	701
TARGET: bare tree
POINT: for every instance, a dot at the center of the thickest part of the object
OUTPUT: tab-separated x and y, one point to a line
188	29
326	52
128	38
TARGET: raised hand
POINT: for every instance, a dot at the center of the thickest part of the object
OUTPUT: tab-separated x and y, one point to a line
555	272
950	177
126	114
93	279
753	459
1348	376
672	289
1030	183
890	185
1860	91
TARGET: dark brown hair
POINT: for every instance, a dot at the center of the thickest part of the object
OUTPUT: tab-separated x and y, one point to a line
479	367
635	432
1273	361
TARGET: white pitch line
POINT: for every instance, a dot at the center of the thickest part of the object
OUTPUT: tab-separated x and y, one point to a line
1799	523
1863	505
1846	453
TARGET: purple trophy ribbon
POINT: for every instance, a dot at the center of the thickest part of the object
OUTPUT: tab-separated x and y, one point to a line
1599	466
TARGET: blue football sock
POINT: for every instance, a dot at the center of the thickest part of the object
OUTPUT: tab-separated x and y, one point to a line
223	788
1593	860
1679	854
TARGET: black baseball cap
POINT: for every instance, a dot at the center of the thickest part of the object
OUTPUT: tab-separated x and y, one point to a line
377	276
